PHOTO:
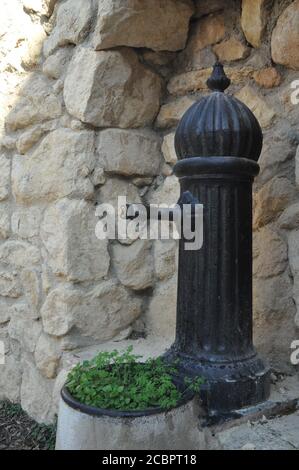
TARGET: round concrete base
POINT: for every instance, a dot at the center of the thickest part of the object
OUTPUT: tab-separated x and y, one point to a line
172	430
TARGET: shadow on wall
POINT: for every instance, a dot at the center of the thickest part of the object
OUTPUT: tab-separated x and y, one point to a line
61	289
83	121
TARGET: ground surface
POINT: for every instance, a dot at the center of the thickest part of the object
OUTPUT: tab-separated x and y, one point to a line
275	434
273	425
19	432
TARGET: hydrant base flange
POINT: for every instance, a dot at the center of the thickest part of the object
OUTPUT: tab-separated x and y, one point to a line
228	385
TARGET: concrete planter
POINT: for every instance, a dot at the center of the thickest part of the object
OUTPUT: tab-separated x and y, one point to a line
82	427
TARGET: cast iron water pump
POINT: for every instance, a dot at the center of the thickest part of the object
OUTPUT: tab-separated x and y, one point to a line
218	142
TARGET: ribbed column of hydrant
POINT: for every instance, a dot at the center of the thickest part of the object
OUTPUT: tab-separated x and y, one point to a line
218	142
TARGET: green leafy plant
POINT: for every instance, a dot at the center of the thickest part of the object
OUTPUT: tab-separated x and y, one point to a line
114	380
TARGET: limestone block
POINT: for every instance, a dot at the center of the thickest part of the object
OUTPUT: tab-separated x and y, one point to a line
205	7
207	31
31	282
165	255
72	24
168	148
109	310
4	221
129	152
47	355
160	316
98	176
166	170
114	188
111	89
285	37
57	311
289	219
266	303
70	122
100	313
171	113
253	20
267	77
42	7
48	175
274	320
58	89
25	222
277	152
134	264
231	49
5	166
113	192
271	200
36	394
293	244
8	142
167	193
48	279
190	81
10	379
262	111
4	337
196	80
10	285
74	340
141	182
36	103
55	66
72	248
23	329
28	138
161	26
18	255
190	60
5	312
159	59
267	240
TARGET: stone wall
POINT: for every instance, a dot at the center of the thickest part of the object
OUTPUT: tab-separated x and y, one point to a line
90	95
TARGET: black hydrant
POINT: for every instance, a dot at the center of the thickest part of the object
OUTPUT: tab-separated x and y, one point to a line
218	142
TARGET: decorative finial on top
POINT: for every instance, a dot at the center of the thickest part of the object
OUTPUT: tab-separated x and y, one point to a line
218	81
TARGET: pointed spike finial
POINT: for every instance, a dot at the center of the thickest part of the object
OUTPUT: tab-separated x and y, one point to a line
218	81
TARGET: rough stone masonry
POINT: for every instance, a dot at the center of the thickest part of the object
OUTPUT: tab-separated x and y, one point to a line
89	100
